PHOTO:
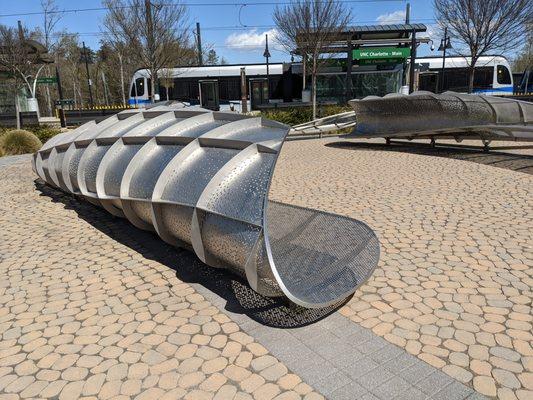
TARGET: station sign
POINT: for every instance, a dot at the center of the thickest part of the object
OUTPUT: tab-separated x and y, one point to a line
381	53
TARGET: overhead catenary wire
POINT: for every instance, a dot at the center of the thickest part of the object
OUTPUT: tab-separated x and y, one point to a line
235	27
188	4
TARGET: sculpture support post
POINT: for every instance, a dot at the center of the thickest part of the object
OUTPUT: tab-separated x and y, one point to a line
244	90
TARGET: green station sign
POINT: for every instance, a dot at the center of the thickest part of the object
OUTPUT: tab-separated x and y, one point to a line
381	53
46	80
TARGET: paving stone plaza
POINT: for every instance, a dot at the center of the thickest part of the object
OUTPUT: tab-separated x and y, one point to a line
91	307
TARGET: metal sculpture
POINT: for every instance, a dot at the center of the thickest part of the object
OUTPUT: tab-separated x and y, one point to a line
201	180
447	115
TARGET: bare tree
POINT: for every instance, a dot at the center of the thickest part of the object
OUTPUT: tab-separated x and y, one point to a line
483	26
309	27
19	62
51	16
167	79
524	59
150	28
69	54
121	55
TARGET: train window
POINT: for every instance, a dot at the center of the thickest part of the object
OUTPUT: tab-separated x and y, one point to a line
139	82
483	77
504	77
456	79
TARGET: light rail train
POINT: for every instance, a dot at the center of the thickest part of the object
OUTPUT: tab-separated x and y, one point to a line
221	84
492	75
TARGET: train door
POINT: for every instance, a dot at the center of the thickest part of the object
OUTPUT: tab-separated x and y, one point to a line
258	92
209	94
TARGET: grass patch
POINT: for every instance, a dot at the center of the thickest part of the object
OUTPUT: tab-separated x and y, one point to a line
299	115
43	132
15	142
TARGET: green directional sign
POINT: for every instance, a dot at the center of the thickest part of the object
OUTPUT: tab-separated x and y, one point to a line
381	53
46	80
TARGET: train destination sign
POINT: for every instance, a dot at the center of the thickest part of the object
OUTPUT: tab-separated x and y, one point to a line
381	52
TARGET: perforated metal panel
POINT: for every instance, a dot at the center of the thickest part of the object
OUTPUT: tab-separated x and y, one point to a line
450	115
200	180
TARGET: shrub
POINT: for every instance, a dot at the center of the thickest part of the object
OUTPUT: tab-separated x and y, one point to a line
43	132
19	142
299	115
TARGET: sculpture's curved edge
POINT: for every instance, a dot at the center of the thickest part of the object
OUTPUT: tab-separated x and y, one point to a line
272	262
295	299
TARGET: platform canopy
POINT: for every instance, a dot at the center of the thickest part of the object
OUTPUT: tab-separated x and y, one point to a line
375	35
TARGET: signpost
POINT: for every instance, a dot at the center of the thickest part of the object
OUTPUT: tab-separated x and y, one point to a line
381	53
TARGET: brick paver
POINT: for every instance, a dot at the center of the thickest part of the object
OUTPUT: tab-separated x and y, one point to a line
82	314
453	286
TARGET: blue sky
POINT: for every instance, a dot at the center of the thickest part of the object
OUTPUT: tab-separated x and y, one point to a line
221	26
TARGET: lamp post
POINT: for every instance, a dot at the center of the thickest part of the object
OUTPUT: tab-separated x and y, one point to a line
266	54
86	59
444	44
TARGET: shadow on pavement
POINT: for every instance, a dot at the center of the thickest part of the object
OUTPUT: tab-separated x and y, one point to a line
495	158
238	296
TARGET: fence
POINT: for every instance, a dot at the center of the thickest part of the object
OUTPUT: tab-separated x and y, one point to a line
26	118
97	113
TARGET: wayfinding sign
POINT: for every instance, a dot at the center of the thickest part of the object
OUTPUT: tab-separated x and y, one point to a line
46	80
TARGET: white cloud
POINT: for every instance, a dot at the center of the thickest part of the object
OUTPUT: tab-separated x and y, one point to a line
252	40
433	32
396	17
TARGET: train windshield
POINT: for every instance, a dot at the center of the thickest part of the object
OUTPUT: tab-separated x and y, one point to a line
503	75
137	90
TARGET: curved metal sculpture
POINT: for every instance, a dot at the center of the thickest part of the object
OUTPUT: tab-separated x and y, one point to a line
201	180
447	115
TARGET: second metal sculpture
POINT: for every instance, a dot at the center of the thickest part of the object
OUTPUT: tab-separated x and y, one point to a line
447	115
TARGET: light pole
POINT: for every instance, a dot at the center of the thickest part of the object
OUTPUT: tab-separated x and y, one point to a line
444	44
266	54
199	45
89	82
412	62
